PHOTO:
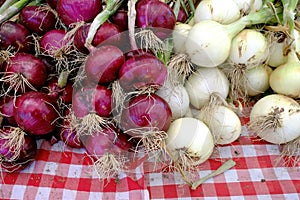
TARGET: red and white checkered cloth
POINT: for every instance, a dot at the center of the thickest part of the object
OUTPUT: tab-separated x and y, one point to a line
63	173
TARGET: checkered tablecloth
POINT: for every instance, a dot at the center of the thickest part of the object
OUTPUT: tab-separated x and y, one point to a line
60	172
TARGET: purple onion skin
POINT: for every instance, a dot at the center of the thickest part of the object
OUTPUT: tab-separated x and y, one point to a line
69	137
28	149
17	166
182	16
52	41
146	111
103	64
36	113
71	11
37	20
96	99
16	35
120	18
7	110
52	3
54	91
155	14
142	71
31	67
107	34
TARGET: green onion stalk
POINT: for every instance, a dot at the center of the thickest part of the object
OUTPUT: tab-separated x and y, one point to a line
12	7
111	7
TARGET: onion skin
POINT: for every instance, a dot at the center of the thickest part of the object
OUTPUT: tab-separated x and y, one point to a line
15	35
7	110
92	100
31	67
288	116
36	113
28	149
146	111
155	14
120	18
107	34
69	137
64	94
142	71
52	41
71	11
37	20
103	64
52	3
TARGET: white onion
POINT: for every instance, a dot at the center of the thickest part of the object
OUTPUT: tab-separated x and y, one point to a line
249	47
224	12
247	6
276	55
203	83
257	80
180	34
223	123
275	118
209	42
192	136
177	98
285	79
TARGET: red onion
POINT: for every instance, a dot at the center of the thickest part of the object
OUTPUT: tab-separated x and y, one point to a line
155	14
71	11
7	110
52	3
68	133
141	71
108	33
53	41
37	19
146	111
36	113
103	64
182	16
54	91
92	100
24	68
120	18
16	35
16	149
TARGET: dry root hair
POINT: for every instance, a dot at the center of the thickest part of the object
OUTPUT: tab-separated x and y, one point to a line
148	40
291	153
15	141
264	125
109	165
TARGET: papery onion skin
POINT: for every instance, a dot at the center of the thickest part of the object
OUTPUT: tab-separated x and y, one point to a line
107	34
96	99
203	83
142	71
224	13
7	110
288	115
71	11
155	14
193	135
52	41
146	111
31	67
103	64
16	35
120	18
36	113
37	19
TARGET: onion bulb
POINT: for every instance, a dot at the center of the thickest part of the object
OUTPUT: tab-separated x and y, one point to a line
189	142
257	80
180	34
224	12
249	47
277	55
247	6
275	118
177	99
285	78
208	43
223	123
204	82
